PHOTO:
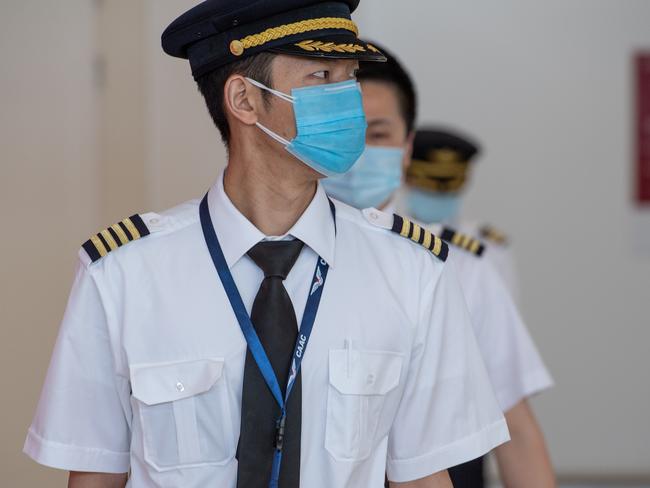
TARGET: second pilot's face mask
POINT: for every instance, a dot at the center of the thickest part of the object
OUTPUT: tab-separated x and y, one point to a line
371	181
330	123
431	207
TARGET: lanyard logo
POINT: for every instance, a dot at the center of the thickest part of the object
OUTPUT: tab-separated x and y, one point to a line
318	279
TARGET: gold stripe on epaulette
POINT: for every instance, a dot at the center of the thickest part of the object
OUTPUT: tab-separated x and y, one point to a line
437	247
427	240
237	47
417	230
120	233
109	238
406	228
129	225
474	246
99	245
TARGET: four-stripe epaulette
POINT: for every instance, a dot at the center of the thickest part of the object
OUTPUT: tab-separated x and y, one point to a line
464	241
115	236
416	233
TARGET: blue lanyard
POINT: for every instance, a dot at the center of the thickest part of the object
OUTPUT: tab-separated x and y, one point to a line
253	341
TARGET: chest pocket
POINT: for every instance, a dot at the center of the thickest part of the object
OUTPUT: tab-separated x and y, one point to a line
359	382
184	413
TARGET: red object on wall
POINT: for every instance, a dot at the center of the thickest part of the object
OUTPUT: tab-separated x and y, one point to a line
643	128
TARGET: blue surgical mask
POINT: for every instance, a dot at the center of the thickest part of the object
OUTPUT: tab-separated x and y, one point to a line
430	207
330	123
371	181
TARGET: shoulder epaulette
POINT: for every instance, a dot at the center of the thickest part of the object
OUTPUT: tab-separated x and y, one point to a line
115	236
491	234
416	233
464	241
408	229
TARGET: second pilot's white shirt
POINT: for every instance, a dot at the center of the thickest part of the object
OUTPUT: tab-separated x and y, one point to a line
147	371
514	363
501	257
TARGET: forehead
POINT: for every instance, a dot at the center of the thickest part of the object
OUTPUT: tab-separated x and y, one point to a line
380	99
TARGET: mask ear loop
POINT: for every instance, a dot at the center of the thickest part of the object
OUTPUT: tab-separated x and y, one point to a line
279	94
273	135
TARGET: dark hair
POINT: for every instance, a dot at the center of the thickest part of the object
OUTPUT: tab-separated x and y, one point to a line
392	72
211	86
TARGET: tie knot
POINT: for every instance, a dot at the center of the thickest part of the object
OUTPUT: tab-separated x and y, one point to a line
276	258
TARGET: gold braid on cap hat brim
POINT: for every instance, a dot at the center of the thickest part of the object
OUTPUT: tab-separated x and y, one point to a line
237	47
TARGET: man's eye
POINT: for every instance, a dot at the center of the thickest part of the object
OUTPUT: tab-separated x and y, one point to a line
378	136
323	75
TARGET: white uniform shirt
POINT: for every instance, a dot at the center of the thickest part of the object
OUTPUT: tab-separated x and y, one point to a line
501	256
513	362
148	367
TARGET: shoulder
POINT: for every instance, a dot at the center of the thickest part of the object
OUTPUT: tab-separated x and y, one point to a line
462	241
129	233
398	230
493	235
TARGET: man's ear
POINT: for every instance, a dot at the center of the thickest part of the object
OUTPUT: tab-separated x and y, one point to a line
241	100
408	151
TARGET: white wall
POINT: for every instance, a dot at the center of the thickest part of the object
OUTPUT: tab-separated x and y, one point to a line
547	87
185	151
49	199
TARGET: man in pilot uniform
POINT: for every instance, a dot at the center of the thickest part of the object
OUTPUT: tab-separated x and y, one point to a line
266	336
435	182
514	365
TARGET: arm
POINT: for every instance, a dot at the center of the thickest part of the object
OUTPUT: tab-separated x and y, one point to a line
96	480
524	461
438	480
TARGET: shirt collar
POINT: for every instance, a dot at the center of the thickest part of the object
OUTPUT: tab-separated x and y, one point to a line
237	235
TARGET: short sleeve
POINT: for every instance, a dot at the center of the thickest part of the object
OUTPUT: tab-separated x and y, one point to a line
81	419
448	414
514	364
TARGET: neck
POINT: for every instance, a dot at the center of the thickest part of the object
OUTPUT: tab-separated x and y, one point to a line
270	192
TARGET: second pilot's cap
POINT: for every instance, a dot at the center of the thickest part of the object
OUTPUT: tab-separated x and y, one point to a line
218	32
440	160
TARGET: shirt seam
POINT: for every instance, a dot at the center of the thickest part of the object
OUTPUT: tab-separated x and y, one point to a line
70	447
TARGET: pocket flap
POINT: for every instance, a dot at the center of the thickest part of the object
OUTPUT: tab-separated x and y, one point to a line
167	382
355	372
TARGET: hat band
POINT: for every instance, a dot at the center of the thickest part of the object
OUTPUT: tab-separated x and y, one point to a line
438	169
237	47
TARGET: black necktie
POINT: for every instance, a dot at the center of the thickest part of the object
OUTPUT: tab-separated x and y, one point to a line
275	322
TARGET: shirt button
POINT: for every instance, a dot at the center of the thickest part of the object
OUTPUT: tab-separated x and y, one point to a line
154	221
374	216
180	387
